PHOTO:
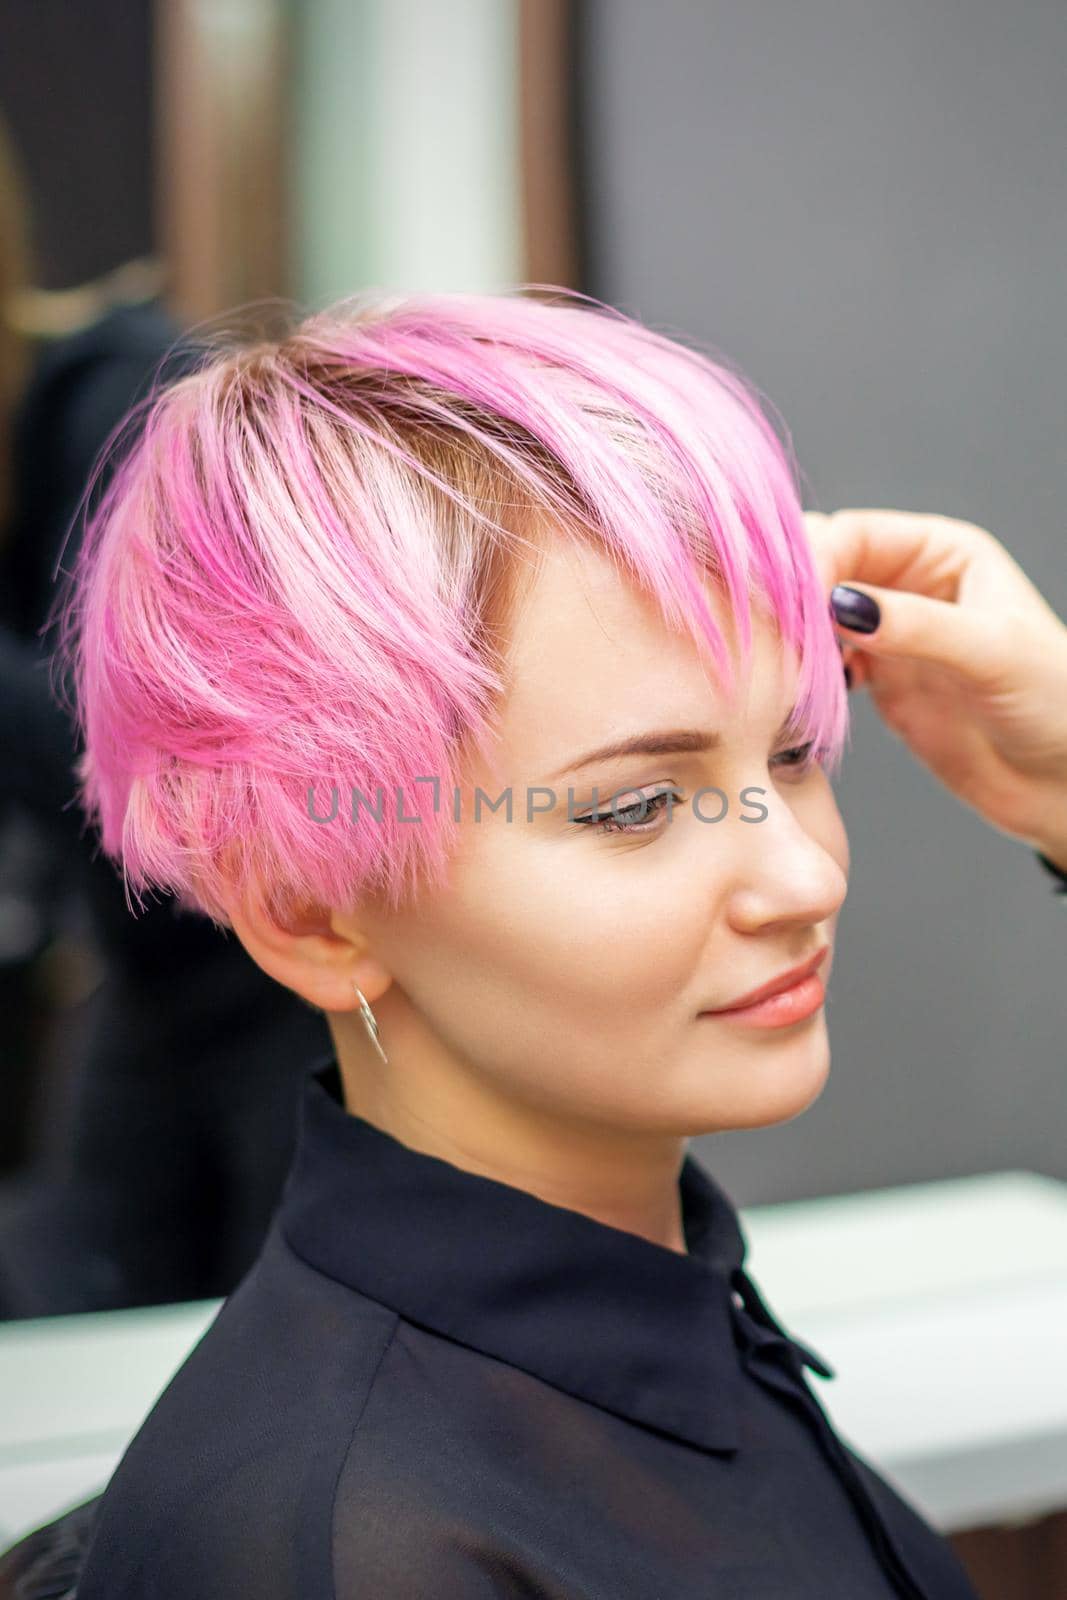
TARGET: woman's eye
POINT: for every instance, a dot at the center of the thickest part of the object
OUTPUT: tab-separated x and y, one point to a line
641	817
801	756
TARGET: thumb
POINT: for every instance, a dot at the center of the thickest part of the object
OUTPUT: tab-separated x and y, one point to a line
896	623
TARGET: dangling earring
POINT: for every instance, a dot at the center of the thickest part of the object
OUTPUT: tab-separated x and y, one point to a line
370	1022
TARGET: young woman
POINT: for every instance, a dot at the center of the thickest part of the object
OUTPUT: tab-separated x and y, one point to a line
469	657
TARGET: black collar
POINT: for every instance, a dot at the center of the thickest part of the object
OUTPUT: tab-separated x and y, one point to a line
630	1325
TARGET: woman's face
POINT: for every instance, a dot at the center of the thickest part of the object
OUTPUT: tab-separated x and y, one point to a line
565	967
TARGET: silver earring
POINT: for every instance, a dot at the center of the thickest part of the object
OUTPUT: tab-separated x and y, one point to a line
370	1022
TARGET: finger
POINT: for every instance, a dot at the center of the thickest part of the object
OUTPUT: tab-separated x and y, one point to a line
954	748
915	550
975	644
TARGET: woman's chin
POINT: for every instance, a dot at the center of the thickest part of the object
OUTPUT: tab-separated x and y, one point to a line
773	1079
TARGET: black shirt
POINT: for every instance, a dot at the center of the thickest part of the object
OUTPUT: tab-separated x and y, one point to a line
434	1384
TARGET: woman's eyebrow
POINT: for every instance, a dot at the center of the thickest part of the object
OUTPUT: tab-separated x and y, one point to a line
667	742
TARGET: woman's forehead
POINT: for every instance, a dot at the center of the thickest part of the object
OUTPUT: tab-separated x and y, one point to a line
580	595
588	648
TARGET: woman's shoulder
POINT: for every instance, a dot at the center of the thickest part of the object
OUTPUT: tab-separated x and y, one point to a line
228	1485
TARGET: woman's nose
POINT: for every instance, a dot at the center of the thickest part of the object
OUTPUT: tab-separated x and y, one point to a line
786	872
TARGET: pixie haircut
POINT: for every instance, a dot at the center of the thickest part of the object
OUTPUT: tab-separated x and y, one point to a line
300	576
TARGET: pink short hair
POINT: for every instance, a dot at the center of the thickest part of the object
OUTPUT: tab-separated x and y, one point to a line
300	574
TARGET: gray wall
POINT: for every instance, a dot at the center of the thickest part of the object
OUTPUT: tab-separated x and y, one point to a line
865	205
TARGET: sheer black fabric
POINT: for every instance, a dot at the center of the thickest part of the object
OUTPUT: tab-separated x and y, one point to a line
434	1384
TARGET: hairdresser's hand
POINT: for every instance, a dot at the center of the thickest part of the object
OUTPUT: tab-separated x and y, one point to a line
967	663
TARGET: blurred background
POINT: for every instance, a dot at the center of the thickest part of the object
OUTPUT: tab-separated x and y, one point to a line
865	207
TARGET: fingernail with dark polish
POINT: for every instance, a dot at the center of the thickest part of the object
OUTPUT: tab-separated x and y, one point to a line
848	677
854	610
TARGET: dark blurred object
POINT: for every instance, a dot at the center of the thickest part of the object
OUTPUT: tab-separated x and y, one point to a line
157	1160
71	362
167	1158
25	881
81	385
76	389
162	1166
76	85
149	1064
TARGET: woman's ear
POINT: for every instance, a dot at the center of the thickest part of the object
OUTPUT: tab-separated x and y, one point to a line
320	956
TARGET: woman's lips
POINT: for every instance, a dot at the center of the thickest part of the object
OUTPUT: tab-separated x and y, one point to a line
790	1001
